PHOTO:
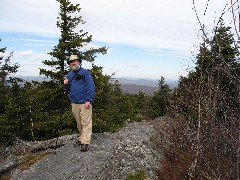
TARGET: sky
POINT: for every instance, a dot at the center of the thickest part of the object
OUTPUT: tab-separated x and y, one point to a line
145	38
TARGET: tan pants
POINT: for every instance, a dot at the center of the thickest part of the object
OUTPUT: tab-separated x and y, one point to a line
83	117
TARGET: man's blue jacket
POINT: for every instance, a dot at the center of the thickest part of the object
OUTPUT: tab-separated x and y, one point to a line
81	86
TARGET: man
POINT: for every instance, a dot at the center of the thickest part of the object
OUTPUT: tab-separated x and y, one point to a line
81	94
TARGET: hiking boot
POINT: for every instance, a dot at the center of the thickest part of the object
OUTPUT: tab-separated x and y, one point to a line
77	143
84	147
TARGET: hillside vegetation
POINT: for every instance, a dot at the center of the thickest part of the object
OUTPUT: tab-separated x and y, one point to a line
204	136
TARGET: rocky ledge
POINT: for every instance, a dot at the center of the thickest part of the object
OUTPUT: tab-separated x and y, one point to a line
110	156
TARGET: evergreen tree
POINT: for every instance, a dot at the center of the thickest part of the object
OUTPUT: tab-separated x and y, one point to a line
8	90
70	42
6	68
160	100
108	102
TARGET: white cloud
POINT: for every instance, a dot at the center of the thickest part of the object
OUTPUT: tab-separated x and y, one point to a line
153	25
150	24
134	65
25	53
29	16
29	61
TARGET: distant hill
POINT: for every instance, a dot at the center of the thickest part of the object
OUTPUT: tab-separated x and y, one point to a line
147	86
128	85
34	78
146	82
135	89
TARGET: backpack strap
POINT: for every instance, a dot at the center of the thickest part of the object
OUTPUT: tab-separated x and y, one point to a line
75	73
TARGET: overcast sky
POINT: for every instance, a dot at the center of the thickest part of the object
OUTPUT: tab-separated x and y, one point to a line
146	38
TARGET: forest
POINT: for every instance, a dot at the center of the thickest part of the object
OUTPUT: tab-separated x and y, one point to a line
204	136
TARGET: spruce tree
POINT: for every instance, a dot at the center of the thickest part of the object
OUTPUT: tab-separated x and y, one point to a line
8	90
160	100
6	68
70	42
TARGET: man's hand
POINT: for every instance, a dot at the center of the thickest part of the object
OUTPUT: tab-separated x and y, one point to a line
65	81
87	105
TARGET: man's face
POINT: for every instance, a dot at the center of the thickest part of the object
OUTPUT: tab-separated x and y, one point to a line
74	64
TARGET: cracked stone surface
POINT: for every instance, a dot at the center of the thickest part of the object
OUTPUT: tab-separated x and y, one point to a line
110	156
